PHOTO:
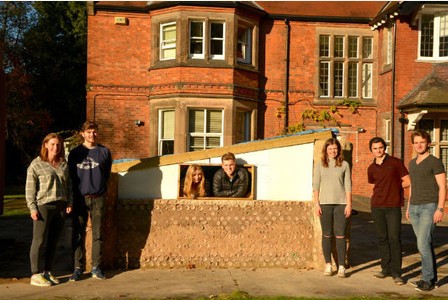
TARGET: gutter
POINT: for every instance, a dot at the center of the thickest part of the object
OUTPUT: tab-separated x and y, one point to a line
286	92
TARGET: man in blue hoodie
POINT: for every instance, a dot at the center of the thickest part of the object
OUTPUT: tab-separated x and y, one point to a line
90	165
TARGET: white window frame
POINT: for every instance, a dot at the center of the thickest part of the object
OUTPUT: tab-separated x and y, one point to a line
362	91
161	126
197	38
205	134
245	45
169	44
223	39
436	35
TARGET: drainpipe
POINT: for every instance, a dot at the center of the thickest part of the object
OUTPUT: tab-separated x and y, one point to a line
288	34
392	116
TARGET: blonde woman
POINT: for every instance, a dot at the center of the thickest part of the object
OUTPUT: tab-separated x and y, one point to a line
194	184
332	191
49	198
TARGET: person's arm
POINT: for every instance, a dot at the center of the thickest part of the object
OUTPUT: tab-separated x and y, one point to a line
409	203
405	181
348	191
243	182
30	192
316	190
441	182
317	203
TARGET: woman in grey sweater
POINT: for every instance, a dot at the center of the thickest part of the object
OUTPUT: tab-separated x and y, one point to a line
332	191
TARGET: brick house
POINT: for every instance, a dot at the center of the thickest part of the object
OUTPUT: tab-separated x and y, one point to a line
179	76
413	71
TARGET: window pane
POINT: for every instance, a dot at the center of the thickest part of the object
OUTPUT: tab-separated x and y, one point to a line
427	35
169	53
168	41
352	47
338	46
243	52
196	143
443	36
338	79
242	124
217	30
367	46
352	79
196	38
444	130
169	32
324	76
444	157
214	123
427	125
196	120
213	142
367	80
167	124
217	40
324	46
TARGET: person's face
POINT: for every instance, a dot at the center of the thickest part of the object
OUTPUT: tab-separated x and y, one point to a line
53	147
229	167
378	150
90	135
197	176
332	151
420	145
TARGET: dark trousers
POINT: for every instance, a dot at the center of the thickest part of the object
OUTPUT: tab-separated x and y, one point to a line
387	222
333	222
49	225
95	208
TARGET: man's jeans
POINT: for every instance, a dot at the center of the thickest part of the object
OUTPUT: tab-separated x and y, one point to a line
94	207
422	220
387	222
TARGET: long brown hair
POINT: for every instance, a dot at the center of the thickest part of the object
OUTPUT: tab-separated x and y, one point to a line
44	152
189	189
324	158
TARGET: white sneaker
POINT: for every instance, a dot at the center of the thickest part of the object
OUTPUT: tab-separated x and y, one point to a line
39	280
48	276
341	272
328	270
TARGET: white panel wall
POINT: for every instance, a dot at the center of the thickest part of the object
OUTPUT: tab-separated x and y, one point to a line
281	174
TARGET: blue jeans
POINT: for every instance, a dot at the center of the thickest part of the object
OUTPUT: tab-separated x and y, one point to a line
422	220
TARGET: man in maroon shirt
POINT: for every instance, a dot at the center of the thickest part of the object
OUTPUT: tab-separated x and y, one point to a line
390	177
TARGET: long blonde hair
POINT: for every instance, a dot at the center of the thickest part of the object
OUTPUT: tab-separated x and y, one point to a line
190	189
324	158
44	152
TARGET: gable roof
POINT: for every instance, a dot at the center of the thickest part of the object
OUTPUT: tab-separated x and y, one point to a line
431	92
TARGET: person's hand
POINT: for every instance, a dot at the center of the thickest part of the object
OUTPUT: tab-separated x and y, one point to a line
318	210
68	209
35	215
348	211
438	216
407	214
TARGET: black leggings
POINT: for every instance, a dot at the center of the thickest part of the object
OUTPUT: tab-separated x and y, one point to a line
333	222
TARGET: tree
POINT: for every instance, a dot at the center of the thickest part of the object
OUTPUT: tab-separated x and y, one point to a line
45	54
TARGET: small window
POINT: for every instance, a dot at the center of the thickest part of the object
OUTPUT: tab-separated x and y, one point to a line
324	82
244	45
353	80
324	46
353	47
205	129
242	124
168	41
196	39
217	41
388	130
166	132
367	80
444	131
433	35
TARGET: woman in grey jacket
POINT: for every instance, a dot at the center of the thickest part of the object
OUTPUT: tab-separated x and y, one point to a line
332	191
48	197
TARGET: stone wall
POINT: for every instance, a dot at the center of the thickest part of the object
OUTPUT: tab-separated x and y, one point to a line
210	234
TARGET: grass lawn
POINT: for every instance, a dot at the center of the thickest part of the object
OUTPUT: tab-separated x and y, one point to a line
15	206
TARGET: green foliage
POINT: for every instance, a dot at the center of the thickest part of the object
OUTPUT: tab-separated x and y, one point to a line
44	46
321	116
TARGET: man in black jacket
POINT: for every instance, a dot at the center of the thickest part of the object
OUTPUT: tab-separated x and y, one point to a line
230	181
